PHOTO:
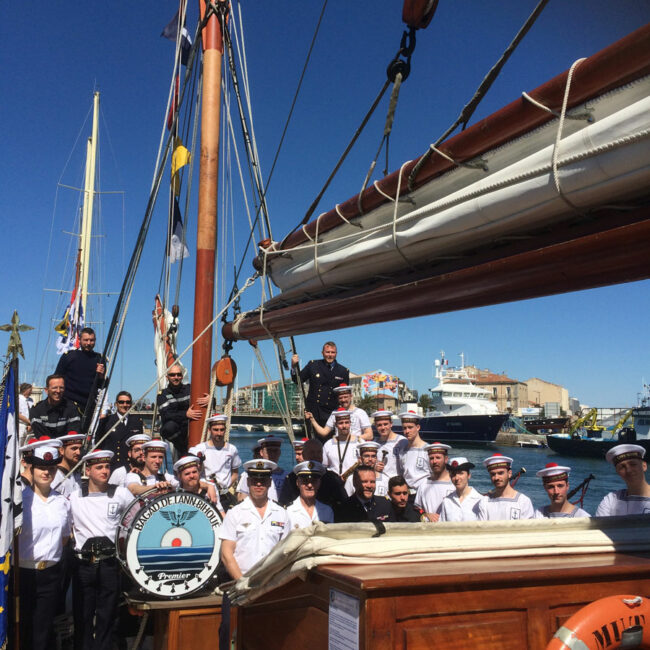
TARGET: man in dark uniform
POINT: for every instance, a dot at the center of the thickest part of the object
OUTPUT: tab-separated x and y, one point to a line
323	376
127	426
403	510
56	415
79	368
173	403
363	505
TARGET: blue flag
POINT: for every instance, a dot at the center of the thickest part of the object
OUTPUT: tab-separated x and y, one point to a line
170	32
11	508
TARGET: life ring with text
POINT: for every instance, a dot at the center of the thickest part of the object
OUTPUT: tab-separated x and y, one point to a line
612	622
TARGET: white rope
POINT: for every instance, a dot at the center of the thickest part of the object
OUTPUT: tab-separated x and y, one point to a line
585	115
396	201
316	267
344	218
208	412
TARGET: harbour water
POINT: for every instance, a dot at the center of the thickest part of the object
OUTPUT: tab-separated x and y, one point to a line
532	459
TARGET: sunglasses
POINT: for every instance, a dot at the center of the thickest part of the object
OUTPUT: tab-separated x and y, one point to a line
175	374
123	401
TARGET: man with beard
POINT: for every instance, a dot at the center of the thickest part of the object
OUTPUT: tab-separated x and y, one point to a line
126	426
70	456
503	502
462	504
79	368
56	415
438	485
367	451
386	459
359	422
134	459
402	509
630	465
188	472
306	509
340	452
363	505
411	454
556	483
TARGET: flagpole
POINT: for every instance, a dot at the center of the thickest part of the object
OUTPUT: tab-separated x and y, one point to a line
207	212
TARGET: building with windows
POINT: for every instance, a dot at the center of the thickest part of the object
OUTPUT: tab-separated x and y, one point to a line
510	395
541	392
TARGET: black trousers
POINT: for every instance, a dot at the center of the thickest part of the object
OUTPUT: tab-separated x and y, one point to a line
40	593
95	595
175	434
321	413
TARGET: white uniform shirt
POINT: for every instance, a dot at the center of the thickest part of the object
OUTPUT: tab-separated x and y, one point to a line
390	468
412	463
431	493
45	524
517	507
359	421
381	485
620	503
298	517
220	462
254	536
335	453
23	409
97	515
118	477
277	478
453	509
543	513
152	479
66	486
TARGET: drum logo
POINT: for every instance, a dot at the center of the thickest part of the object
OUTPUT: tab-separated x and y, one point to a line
172	545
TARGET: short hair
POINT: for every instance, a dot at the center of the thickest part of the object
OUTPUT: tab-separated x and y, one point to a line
330	344
23	387
363	468
313	450
49	378
124	392
396	481
88	330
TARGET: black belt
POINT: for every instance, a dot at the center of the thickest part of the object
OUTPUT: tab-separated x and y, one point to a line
94	558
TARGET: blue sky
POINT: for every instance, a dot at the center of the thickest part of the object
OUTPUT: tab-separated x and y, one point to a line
592	342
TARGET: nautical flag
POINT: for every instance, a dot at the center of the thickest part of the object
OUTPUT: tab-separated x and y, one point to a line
177	247
171	32
11	516
69	329
174	107
180	158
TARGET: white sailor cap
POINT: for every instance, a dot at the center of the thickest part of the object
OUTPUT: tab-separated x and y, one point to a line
554	472
382	414
497	460
72	436
437	446
260	466
44	456
341	413
98	456
460	464
271	439
217	417
299	443
309	467
409	415
158	444
197	451
138	439
624	452
186	461
34	443
342	388
367	445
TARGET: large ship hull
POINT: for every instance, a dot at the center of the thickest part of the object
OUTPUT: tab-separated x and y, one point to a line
587	447
460	429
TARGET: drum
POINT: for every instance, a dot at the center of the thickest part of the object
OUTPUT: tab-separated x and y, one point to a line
169	543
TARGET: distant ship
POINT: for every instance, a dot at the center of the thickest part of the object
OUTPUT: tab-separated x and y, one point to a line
462	413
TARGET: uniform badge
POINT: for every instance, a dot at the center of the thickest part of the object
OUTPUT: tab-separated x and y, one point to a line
514	513
420	462
112	509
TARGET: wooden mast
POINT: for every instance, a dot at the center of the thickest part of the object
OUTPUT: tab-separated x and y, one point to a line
207	217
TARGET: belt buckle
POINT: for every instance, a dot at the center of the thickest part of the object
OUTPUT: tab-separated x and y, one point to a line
41	565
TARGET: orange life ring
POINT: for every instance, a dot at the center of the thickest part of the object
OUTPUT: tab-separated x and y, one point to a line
418	13
602	624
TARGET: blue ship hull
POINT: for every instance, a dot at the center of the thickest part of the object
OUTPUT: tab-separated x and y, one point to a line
460	429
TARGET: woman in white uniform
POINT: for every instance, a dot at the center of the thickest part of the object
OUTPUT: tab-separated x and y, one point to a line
45	530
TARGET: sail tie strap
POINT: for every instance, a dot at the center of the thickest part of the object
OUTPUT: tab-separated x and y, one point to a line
584	115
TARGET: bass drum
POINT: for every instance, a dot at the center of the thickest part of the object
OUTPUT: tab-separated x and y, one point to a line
169	543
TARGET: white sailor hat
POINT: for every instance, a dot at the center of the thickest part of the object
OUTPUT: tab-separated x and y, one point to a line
260	466
197	451
217	417
367	445
157	444
497	460
554	472
270	440
624	452
138	439
382	414
44	456
437	446
186	461
98	456
34	443
341	413
299	443
72	436
460	464
342	388
409	415
309	467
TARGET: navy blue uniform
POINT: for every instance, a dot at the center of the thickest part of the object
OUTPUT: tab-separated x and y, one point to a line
322	378
116	440
352	510
173	403
79	369
54	420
